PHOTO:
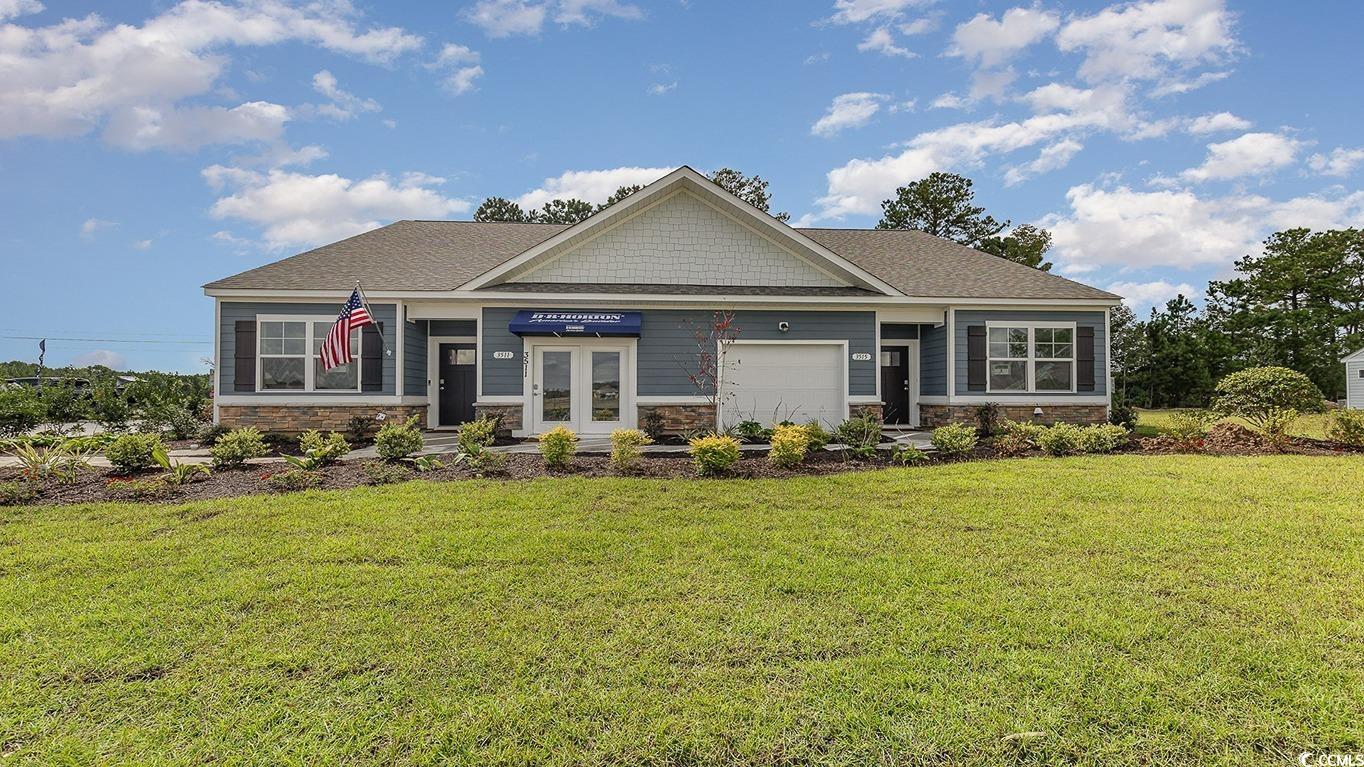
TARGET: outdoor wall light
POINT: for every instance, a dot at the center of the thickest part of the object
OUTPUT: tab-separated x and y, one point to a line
783	326
1037	412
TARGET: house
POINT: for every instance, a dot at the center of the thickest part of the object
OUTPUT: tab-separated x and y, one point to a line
596	325
1354	380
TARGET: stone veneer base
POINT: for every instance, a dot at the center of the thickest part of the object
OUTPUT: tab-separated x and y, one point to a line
295	419
940	415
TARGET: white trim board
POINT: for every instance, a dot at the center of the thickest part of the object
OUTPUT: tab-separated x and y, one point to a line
305	398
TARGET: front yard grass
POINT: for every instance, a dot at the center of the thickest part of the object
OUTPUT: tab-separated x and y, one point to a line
1151	423
1134	609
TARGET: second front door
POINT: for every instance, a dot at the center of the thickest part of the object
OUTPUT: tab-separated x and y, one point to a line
581	386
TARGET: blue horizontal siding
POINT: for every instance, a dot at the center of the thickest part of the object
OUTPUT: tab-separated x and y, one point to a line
233	311
414	358
968	317
933	361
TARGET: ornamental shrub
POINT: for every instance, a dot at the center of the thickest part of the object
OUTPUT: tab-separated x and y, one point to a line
1187	426
1061	439
625	448
1012	444
384	473
134	452
955	439
476	435
20	411
818	435
908	455
235	448
16	493
1276	426
291	480
860	435
558	445
1260	395
323	451
1123	414
396	441
714	454
1024	430
1347	426
987	418
789	444
1102	438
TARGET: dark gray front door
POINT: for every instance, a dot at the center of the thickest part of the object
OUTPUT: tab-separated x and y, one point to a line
458	385
895	383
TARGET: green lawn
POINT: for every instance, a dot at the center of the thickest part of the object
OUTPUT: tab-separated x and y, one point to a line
1136	609
1153	422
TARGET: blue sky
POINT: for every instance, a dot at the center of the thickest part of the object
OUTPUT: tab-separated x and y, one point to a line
147	148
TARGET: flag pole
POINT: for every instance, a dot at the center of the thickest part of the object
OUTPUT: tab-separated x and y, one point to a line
365	302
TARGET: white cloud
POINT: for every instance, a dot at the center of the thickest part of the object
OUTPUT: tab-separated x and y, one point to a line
858	11
1145	40
296	209
105	357
12	8
344	104
949	100
908	105
1143	295
1052	157
142	244
990	43
92	226
1247	155
1340	162
461	81
504	18
452	54
992	83
1131	229
849	110
1216	123
817	58
1175	86
921	26
658	89
881	41
75	75
594	186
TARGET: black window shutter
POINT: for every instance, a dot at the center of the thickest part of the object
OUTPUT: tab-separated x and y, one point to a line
975	358
1084	358
244	358
372	358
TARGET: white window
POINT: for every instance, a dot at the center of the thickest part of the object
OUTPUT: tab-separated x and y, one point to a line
289	355
1031	358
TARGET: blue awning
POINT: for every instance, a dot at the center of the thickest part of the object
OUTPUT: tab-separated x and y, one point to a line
534	323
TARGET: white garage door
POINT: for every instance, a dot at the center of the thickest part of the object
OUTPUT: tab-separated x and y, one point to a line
784	382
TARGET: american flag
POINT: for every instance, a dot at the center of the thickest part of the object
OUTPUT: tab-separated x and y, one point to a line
336	349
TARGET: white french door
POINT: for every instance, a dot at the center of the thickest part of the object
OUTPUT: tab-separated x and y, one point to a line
584	387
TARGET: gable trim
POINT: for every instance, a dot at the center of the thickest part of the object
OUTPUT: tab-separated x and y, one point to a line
1356	357
643	199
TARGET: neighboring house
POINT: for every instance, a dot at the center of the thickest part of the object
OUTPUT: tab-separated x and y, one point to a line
594	325
1354	380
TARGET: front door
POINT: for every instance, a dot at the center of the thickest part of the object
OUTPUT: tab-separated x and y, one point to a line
458	384
895	384
582	387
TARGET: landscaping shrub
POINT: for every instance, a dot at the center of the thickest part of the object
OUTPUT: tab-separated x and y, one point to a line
235	448
818	436
1061	439
714	454
209	435
178	422
384	473
1012	444
955	439
625	448
652	424
1123	414
426	463
1024	430
1276	425
908	455
290	480
1347	426
1262	395
63	402
396	441
1189	426
789	444
359	429
558	445
987	418
476	435
137	489
20	411
752	432
486	462
15	493
1102	438
109	407
323	451
133	452
860	435
63	461
178	472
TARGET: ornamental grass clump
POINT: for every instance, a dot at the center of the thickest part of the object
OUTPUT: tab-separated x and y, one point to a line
626	447
955	439
788	446
397	440
558	446
714	455
235	448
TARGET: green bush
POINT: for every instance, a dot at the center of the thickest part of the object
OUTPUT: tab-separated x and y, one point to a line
752	432
359	428
486	462
818	436
15	493
63	402
1123	414
1347	426
652	424
426	463
1025	430
1187	426
235	448
1012	444
1102	438
323	451
789	444
291	480
477	435
177	421
1261	395
109	407
208	436
558	445
1061	439
625	448
137	489
396	441
908	455
1276	425
134	452
714	454
955	439
384	473
987	419
20	410
860	435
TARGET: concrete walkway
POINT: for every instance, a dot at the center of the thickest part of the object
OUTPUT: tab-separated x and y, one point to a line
441	442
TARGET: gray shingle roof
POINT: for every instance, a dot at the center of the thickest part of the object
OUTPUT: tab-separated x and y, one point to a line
678	290
441	255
